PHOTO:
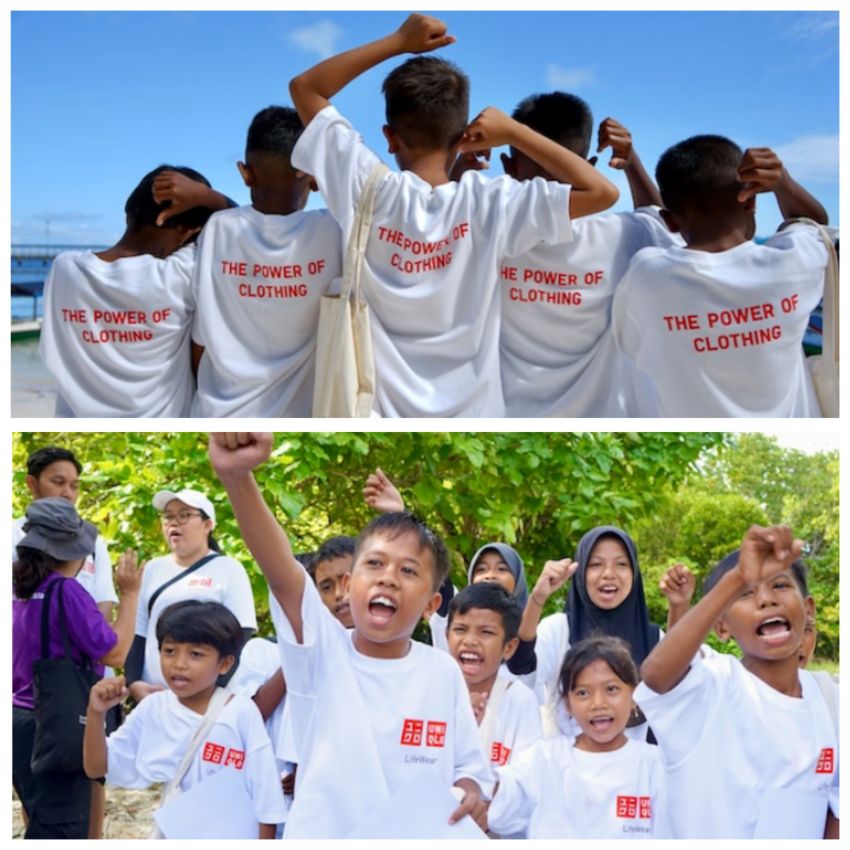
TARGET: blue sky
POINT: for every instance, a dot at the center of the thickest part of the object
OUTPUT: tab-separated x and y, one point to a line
100	98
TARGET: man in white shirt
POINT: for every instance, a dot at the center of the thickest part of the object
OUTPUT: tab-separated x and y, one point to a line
718	325
431	263
261	273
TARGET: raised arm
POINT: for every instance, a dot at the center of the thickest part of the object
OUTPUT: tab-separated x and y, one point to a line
311	91
129	580
678	585
381	494
590	192
103	696
554	576
234	456
764	552
184	193
625	158
761	170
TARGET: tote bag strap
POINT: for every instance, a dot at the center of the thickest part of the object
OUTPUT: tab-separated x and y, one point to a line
359	237
830	291
85	662
182	574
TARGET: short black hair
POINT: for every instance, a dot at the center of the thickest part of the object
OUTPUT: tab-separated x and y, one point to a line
40	459
142	209
274	130
563	118
493	597
700	173
335	547
193	621
427	103
612	650
392	525
798	569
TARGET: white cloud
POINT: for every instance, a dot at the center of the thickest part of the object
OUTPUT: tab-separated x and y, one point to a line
813	26
811	158
320	38
568	79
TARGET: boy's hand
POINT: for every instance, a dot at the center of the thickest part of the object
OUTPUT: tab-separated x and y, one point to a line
380	493
471	805
107	693
422	33
127	577
678	585
183	192
760	170
766	552
470	161
554	576
234	453
489	129
612	134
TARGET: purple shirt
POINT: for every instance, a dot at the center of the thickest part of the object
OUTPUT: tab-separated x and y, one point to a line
88	633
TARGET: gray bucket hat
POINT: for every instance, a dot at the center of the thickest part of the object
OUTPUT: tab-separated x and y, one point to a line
54	527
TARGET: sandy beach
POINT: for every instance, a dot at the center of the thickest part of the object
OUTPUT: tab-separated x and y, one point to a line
33	389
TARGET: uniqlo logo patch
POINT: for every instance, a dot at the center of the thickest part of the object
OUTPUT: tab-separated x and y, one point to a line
411	732
200	582
826	761
213	752
235	758
436	733
499	753
645	807
627	807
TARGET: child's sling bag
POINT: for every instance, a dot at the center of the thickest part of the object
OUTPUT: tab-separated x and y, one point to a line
345	367
823	368
218	701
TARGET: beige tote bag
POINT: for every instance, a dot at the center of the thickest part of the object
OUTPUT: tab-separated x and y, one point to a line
345	368
823	368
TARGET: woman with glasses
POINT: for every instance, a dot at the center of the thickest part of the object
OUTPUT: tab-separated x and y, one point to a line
194	569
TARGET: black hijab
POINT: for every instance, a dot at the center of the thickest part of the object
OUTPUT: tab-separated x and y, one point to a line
629	620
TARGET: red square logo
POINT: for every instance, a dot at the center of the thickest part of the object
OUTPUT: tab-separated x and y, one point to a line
213	752
436	733
645	807
627	807
236	758
411	732
826	761
499	753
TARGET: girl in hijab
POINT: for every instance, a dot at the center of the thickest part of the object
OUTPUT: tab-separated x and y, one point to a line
605	598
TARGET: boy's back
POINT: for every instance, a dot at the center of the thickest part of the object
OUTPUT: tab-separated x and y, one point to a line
368	725
557	355
721	332
432	263
258	284
116	334
759	751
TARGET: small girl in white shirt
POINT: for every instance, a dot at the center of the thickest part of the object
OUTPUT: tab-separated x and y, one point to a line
199	642
599	784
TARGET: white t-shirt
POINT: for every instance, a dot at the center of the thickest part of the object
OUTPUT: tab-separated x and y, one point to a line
258	283
368	725
96	573
220	580
558	357
721	333
150	745
728	738
116	335
558	791
432	268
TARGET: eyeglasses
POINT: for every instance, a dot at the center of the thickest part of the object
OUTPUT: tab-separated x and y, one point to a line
181	517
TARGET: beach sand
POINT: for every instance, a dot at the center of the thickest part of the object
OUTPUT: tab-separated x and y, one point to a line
33	389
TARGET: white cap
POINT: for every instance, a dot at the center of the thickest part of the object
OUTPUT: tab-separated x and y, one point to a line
189	497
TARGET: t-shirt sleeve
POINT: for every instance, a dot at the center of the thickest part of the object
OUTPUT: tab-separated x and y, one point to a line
549	654
334	153
470	762
253	670
179	269
516	797
682	716
806	243
238	596
104	586
652	230
149	585
263	779
661	823
534	211
625	325
199	272
529	728
87	627
123	747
